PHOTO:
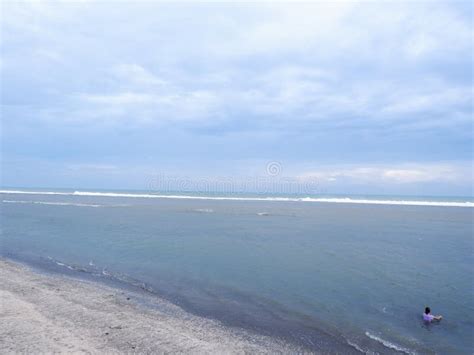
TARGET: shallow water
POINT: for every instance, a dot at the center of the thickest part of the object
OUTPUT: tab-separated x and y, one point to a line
331	276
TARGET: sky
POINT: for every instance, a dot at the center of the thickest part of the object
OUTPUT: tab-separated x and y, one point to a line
345	97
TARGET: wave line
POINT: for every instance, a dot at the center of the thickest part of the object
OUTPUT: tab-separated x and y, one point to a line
345	200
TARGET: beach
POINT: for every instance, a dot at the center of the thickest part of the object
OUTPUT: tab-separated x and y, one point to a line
206	275
256	177
49	313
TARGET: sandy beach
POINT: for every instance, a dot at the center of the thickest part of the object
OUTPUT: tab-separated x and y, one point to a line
41	313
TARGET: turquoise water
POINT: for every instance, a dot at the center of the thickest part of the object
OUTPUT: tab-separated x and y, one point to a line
332	276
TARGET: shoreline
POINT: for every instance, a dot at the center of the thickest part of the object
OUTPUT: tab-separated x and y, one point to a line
51	313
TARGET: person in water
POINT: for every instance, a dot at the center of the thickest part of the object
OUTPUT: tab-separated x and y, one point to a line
428	317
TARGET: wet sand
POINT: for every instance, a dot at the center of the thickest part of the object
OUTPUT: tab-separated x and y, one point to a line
42	313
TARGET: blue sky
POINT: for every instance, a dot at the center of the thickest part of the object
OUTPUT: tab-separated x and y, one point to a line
356	97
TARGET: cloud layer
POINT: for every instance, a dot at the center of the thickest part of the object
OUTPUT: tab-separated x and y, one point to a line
204	89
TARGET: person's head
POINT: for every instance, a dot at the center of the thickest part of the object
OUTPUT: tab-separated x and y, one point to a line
427	310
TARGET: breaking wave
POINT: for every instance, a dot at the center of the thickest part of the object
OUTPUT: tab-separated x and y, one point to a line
389	345
345	200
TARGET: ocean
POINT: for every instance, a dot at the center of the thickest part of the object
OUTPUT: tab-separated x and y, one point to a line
337	274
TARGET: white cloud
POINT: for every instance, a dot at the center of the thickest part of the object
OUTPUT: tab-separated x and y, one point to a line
49	55
270	61
431	97
395	174
148	108
126	98
136	74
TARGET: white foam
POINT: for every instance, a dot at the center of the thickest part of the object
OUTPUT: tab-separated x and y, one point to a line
64	265
345	200
35	192
393	202
389	345
355	346
359	349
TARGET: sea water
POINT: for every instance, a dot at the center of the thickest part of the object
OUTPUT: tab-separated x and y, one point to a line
335	274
